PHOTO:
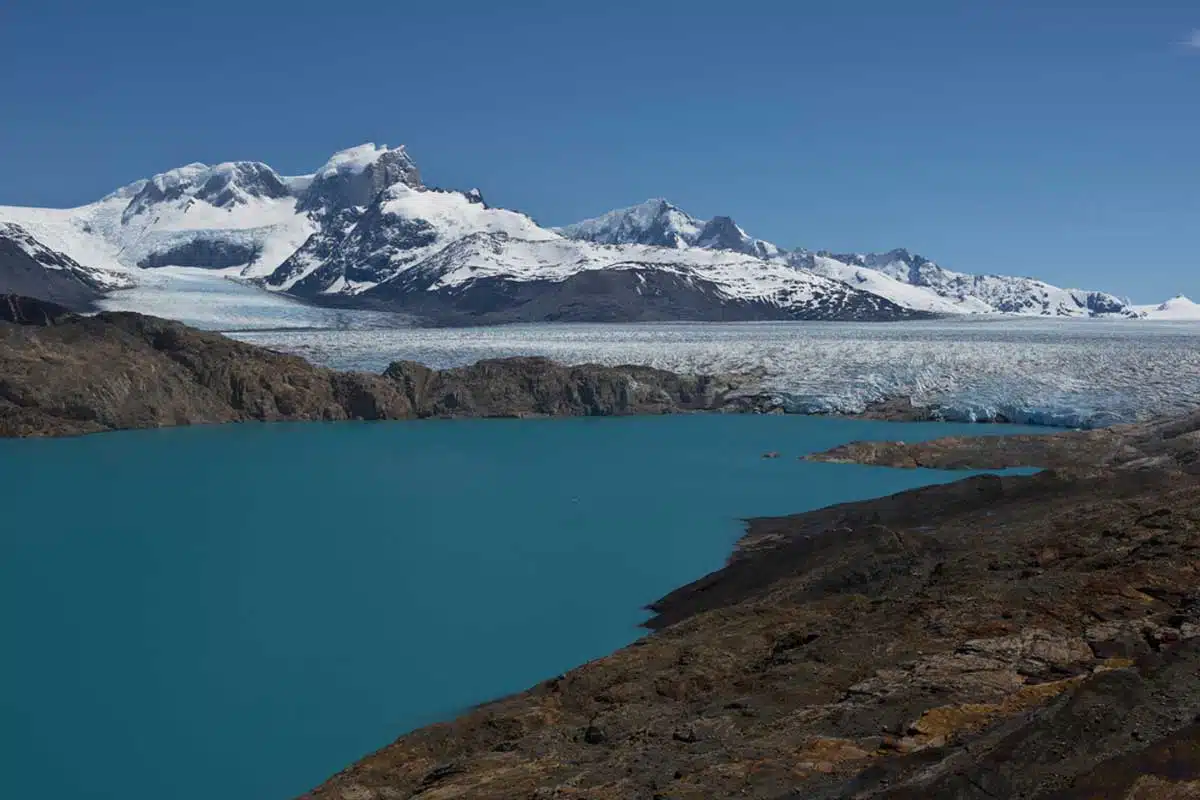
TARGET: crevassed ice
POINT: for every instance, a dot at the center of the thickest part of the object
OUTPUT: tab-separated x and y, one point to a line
1075	373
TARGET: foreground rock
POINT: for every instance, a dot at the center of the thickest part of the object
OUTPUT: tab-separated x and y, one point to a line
62	374
1168	444
28	268
28	311
999	637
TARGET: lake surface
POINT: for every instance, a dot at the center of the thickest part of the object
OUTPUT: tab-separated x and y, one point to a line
241	611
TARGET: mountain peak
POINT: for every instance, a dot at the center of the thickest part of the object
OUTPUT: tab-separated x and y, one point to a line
721	233
355	177
653	222
225	185
1179	301
1179	307
360	158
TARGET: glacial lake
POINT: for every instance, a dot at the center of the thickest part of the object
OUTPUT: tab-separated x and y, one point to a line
241	611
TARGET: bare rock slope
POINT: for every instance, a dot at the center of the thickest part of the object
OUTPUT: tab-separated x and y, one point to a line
119	370
1000	637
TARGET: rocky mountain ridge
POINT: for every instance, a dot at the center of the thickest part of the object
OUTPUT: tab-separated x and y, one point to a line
28	267
903	277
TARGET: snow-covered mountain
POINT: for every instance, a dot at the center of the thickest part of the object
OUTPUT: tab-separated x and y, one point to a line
887	285
656	222
976	293
1177	308
364	230
902	277
29	268
239	215
448	255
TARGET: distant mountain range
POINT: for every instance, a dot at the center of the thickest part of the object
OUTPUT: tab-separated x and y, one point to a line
366	231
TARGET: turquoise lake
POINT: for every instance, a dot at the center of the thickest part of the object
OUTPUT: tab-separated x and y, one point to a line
241	611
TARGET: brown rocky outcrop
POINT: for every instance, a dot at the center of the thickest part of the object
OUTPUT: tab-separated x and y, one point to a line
999	637
1002	637
62	374
1172	444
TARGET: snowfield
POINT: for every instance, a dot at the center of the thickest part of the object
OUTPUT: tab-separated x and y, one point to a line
897	291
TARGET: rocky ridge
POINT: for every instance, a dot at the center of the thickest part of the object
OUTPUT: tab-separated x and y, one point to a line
63	374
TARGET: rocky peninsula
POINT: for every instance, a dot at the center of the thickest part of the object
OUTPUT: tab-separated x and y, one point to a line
999	637
65	374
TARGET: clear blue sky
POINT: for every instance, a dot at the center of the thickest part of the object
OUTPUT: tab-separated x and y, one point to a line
995	136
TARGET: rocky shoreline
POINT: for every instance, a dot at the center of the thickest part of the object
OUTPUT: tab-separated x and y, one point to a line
999	637
63	374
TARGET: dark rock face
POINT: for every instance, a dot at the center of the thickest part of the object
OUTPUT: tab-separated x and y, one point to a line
211	253
28	311
120	370
29	268
248	177
1000	637
519	387
320	248
1101	303
721	233
152	193
633	294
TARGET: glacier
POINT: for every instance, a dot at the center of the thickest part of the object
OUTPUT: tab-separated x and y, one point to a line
1079	374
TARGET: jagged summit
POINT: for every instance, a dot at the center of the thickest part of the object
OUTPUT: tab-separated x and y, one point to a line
224	186
355	177
361	157
659	223
653	222
722	233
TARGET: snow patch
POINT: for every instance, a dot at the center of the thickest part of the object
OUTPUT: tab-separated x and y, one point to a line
353	159
453	215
